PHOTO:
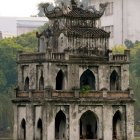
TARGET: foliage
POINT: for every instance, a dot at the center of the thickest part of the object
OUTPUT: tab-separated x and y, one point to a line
85	89
129	44
42	28
9	48
134	73
118	49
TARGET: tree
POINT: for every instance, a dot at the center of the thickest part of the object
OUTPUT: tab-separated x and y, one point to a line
129	44
9	48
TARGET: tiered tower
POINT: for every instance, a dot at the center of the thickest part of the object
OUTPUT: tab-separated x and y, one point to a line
73	88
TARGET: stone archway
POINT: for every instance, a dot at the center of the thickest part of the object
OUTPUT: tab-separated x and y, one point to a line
26	84
39	130
60	126
60	80
88	79
41	83
117	122
114	81
88	126
23	130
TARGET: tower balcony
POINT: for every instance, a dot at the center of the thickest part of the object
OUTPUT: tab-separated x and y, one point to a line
48	93
120	57
59	56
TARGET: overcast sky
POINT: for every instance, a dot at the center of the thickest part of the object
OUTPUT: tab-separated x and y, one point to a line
19	8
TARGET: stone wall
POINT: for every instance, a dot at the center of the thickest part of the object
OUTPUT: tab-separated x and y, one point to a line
73	112
72	74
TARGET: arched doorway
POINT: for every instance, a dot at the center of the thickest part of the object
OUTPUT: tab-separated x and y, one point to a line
39	129
117	126
88	126
41	83
114	81
26	84
88	79
60	126
23	130
60	80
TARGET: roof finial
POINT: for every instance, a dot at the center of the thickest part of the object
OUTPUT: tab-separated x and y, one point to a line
74	4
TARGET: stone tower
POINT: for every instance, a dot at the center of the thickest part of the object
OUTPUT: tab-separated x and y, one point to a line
73	88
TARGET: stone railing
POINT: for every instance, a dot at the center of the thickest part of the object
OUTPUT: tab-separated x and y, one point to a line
120	57
49	93
41	56
58	56
31	56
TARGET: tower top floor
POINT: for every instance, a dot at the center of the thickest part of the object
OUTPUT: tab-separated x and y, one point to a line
74	29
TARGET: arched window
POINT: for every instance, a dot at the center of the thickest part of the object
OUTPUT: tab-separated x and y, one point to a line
60	125
41	83
117	126
114	81
88	79
26	84
23	130
88	126
39	129
60	80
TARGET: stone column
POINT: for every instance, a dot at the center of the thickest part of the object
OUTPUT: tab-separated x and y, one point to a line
74	122
107	122
50	122
44	122
130	121
29	122
15	135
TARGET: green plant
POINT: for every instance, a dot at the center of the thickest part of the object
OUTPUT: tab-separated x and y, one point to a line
85	89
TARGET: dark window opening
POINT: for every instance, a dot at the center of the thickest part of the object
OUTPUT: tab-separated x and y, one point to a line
117	125
114	81
60	125
59	80
88	79
26	85
41	83
40	129
23	130
88	126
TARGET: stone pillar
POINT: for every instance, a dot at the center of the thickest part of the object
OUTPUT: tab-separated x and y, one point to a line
130	121
29	122
50	122
103	73
124	77
74	122
44	122
107	122
15	135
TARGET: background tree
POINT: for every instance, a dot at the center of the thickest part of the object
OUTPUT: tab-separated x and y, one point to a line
9	48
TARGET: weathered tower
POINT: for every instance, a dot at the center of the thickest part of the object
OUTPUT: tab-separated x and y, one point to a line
74	87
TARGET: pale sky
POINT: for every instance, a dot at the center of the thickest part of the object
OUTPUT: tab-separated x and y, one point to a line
19	8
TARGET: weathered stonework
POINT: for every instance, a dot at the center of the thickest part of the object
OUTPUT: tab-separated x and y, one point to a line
74	87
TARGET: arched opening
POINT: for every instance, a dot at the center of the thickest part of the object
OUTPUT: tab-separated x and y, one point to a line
88	126
40	129
41	83
26	85
23	130
88	79
60	80
60	125
117	126
114	81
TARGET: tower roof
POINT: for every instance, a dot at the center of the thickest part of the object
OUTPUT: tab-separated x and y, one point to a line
73	11
87	32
